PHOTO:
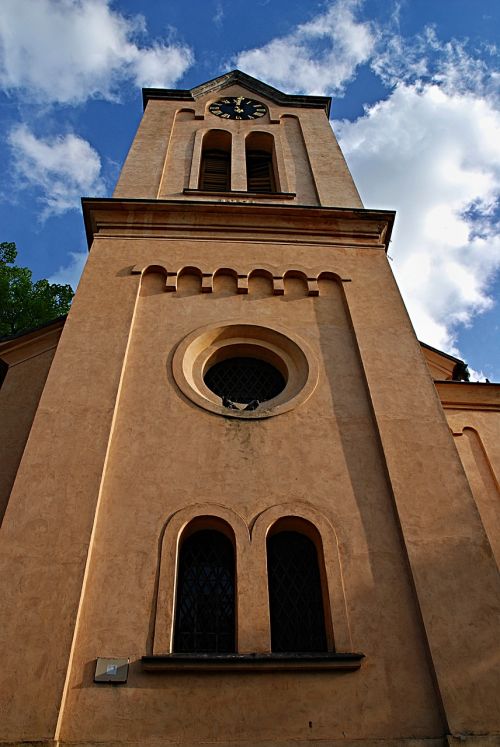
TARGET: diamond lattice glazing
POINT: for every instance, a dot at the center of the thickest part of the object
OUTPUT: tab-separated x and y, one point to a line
295	596
205	617
245	379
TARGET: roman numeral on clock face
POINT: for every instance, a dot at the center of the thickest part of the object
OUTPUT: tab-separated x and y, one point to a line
237	107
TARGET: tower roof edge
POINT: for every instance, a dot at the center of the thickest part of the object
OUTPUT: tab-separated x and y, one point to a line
237	76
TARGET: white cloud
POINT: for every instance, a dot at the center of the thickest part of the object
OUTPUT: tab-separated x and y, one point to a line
69	50
425	57
431	150
61	169
160	66
434	156
70	273
317	57
218	16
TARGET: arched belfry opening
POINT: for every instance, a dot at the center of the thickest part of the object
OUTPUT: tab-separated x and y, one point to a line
215	167
260	162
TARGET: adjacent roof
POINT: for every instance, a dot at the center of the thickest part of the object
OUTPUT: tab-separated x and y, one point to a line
236	76
33	331
440	352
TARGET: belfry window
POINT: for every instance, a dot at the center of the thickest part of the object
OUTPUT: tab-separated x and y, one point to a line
215	169
295	594
205	610
259	147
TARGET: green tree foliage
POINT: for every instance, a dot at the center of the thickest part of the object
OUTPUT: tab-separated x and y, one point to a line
25	304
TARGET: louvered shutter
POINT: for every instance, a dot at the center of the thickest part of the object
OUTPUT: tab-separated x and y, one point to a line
215	171
260	176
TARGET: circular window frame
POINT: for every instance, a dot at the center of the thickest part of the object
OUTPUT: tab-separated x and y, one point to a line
210	344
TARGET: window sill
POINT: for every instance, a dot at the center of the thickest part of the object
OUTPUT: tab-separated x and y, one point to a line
236	194
251	662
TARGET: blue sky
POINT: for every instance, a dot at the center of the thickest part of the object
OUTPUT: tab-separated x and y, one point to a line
415	107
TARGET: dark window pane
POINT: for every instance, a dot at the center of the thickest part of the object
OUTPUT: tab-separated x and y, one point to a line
205	618
295	595
244	380
3	371
215	175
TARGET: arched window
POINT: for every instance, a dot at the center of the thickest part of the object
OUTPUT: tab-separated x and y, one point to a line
205	611
215	169
295	594
259	147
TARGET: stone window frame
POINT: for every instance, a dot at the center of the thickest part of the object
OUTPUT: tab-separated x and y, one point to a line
262	141
216	140
253	631
289	353
238	161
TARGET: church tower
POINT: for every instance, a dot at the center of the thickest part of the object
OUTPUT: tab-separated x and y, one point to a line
240	515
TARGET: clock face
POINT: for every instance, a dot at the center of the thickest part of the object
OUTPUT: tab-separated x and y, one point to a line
237	107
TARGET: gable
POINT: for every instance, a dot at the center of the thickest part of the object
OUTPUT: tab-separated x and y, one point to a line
236	77
441	365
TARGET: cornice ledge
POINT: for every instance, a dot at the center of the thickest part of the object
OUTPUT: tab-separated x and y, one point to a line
372	227
469	395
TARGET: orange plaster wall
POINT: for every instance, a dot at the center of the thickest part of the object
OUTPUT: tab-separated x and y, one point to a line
476	438
19	397
446	545
91	499
141	451
47	530
166	453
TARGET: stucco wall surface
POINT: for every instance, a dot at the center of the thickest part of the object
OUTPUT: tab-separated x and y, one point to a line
167	454
447	547
47	529
117	449
476	434
19	397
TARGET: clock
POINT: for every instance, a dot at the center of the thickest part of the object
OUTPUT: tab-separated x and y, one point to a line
237	107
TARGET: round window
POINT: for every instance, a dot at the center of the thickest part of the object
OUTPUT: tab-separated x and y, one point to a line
244	380
242	370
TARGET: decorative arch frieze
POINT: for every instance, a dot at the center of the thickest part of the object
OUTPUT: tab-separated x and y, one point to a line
277	279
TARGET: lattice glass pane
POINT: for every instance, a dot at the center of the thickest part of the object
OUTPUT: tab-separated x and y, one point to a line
205	612
244	380
295	595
